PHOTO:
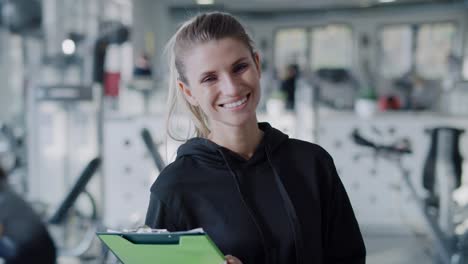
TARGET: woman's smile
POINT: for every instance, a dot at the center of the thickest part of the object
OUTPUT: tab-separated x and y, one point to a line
236	105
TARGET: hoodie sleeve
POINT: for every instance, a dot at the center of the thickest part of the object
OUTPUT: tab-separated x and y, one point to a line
159	216
344	242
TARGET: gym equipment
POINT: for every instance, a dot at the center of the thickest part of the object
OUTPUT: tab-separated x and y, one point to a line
337	87
12	156
449	247
78	188
112	33
21	16
24	237
445	146
152	148
61	214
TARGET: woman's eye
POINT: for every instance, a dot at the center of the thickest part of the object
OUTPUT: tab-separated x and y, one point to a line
240	67
208	79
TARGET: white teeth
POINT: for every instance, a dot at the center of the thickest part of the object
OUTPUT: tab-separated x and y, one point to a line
236	104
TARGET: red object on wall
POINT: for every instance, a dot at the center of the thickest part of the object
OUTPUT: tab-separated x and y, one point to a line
111	84
390	102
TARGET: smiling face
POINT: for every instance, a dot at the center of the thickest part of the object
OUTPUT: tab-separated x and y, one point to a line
223	79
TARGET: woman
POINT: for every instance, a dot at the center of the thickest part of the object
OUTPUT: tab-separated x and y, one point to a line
261	196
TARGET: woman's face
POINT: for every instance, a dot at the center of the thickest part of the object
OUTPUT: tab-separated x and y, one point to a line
223	79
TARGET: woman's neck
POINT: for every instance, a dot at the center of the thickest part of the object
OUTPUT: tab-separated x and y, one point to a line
242	140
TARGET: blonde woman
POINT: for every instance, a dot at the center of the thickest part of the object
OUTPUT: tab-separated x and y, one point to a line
261	196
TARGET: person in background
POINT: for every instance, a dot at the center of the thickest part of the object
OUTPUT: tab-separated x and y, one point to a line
288	86
23	236
143	66
261	196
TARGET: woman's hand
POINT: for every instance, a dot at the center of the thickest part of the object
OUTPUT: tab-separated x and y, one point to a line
232	260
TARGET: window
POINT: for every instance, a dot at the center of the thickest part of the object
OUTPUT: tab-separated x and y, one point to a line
422	47
396	51
434	45
290	48
331	47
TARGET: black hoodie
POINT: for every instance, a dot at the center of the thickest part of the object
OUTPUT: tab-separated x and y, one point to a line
286	204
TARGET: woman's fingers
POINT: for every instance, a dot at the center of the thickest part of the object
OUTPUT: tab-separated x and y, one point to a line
232	260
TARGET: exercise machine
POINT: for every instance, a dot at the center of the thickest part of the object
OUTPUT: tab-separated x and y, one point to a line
441	177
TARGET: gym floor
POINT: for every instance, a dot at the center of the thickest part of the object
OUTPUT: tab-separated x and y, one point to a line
402	246
398	248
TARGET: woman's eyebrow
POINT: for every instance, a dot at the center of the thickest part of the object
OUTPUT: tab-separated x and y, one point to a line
239	60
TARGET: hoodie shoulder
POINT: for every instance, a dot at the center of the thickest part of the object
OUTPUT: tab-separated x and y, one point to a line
280	141
173	175
309	149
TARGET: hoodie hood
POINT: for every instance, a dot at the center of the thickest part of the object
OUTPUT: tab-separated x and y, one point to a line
209	152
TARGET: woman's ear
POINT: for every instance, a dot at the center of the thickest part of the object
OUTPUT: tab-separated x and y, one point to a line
187	93
256	58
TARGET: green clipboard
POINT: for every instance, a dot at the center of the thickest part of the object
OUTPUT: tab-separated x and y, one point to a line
163	248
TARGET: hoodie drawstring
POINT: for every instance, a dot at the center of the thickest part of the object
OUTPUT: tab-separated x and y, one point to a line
249	210
292	216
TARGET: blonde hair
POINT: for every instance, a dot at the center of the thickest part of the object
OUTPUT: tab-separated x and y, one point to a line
198	30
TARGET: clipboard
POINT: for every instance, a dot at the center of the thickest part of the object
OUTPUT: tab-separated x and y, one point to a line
163	248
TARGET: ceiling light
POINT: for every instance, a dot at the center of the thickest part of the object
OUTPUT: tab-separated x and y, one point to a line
386	1
205	2
68	47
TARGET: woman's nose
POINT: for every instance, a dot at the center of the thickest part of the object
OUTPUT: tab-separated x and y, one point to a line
229	85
